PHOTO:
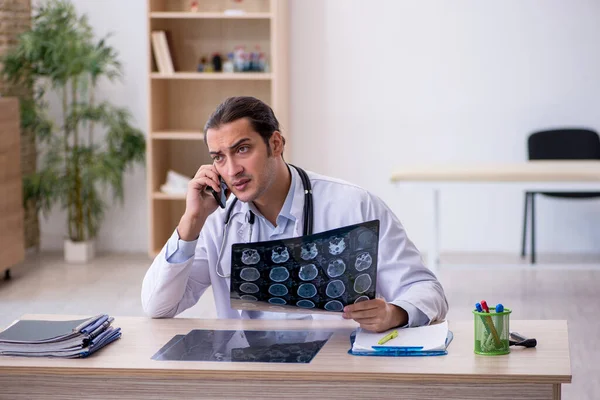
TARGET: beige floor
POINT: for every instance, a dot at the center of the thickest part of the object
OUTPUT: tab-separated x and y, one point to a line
111	284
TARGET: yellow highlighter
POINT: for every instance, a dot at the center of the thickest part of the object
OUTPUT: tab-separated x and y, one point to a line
388	337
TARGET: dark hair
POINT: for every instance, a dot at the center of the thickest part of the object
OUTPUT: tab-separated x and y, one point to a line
261	116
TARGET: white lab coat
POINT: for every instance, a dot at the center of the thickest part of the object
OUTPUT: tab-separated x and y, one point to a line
402	279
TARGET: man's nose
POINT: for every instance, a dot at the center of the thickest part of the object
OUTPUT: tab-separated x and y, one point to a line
233	168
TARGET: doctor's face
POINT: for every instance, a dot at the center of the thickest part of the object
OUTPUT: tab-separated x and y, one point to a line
241	157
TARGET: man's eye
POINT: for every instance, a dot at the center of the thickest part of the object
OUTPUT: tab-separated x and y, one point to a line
217	158
243	149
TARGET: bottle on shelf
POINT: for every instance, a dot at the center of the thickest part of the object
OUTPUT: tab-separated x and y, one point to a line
217	62
262	62
201	64
238	59
228	64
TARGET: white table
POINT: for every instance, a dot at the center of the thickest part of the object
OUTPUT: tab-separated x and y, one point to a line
539	176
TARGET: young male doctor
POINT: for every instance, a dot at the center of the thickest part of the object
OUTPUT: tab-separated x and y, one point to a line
246	145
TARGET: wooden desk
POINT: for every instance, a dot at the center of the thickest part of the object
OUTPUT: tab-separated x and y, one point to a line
124	370
539	176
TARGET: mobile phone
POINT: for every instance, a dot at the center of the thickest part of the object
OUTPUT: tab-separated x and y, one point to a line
221	198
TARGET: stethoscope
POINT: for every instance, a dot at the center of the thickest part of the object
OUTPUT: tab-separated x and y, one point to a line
250	217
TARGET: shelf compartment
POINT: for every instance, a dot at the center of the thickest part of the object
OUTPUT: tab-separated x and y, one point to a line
191	39
181	156
180	105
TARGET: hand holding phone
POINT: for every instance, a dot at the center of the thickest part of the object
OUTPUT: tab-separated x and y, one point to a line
206	185
221	197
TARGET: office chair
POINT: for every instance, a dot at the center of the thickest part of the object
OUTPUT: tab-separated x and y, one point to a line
558	144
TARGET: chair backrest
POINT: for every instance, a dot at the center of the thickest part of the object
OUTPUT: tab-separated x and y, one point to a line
564	144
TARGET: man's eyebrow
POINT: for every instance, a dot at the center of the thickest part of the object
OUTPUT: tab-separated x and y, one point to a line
236	144
233	146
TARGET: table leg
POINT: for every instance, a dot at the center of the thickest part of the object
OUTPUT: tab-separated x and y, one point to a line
433	258
556	395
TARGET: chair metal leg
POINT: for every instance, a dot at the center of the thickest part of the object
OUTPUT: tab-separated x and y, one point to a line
533	228
524	237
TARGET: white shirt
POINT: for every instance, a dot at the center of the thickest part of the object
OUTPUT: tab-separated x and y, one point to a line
182	271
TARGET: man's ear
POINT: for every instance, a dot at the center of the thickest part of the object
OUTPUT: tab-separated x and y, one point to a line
277	143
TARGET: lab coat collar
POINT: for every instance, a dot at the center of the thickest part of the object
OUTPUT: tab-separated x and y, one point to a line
239	215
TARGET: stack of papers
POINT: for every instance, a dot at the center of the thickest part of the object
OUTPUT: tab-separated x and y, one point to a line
66	339
420	341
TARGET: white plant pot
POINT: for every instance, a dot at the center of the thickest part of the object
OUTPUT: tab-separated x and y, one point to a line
79	252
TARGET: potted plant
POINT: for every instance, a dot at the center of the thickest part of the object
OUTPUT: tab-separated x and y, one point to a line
87	149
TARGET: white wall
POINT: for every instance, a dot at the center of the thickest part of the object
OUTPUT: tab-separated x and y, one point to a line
125	227
377	84
384	83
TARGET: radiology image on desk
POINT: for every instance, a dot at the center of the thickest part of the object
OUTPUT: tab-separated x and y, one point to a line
318	273
244	346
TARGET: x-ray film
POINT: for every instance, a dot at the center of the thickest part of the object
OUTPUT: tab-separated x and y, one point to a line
244	346
319	273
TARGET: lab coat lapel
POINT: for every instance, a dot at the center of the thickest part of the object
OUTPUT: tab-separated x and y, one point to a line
240	226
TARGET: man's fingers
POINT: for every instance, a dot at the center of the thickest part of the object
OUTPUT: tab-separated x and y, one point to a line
364	305
373	327
214	177
202	170
203	182
207	170
207	175
368	321
362	314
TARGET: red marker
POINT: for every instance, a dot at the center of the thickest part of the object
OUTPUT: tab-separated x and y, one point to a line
485	306
490	323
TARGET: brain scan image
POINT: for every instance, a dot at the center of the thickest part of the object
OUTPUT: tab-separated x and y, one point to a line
249	288
334	305
308	251
278	290
250	257
307	290
279	274
336	246
305	304
336	268
363	261
366	238
361	298
280	254
335	289
249	274
362	283
248	297
277	300
308	272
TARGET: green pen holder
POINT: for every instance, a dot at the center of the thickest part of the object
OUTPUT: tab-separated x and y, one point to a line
492	334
